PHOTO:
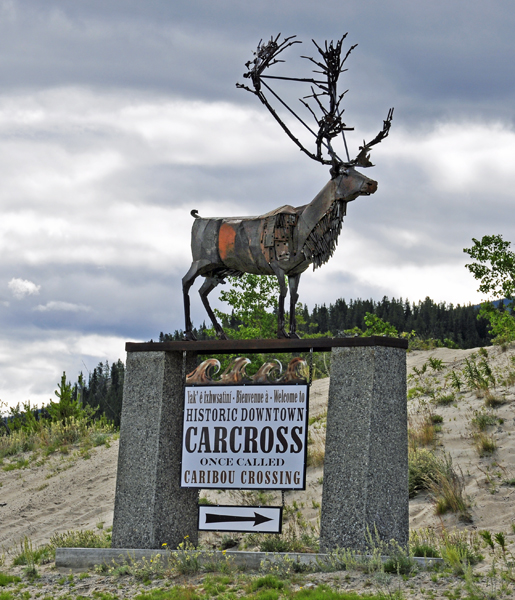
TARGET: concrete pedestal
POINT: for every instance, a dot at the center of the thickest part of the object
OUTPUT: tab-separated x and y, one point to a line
366	457
366	453
150	507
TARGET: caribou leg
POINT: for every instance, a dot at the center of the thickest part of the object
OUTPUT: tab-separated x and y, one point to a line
187	282
293	284
207	287
279	273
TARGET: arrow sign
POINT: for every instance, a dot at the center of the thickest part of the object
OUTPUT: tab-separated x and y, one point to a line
257	518
262	519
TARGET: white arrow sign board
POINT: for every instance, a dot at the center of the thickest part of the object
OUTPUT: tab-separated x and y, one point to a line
259	519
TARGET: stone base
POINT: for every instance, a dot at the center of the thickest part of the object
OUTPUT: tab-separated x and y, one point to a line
366	454
150	508
366	458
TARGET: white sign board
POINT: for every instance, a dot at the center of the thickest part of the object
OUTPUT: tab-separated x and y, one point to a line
245	437
261	519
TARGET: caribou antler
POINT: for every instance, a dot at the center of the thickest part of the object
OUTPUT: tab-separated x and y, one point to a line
266	56
330	123
363	159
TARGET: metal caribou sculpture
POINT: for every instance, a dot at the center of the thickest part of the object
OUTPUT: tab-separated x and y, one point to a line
285	241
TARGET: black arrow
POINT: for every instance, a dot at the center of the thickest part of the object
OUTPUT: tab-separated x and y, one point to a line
257	518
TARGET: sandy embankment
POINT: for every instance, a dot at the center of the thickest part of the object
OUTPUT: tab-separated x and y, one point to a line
69	492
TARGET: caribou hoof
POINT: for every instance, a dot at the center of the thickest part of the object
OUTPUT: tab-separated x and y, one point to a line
189	336
281	334
294	336
221	335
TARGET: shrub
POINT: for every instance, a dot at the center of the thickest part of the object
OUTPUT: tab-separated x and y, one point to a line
478	376
316	448
186	560
80	539
492	401
16	443
482	419
228	541
423	467
99	438
30	557
425	550
267	582
421	430
142	570
445	399
8	579
458	546
377	326
56	436
447	489
401	564
485	444
275	544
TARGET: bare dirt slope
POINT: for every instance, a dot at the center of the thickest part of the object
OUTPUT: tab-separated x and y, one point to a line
486	478
67	492
70	492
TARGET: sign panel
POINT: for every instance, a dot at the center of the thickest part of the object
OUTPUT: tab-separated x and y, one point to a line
246	437
260	519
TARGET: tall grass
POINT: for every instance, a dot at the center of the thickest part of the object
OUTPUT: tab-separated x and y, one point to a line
423	467
55	427
53	436
485	444
447	488
436	474
316	448
447	544
422	430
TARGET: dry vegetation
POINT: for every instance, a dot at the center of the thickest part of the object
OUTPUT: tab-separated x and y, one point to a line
462	502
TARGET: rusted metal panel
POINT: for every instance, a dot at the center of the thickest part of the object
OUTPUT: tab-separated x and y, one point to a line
268	233
226	238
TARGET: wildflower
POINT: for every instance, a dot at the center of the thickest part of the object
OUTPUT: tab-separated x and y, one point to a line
165	544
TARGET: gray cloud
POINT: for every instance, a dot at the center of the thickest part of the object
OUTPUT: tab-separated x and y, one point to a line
118	118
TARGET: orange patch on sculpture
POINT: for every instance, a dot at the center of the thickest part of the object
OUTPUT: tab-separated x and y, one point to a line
226	238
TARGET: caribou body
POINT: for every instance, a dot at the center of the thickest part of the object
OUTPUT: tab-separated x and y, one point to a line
283	243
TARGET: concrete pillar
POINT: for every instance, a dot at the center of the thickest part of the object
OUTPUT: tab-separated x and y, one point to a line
366	454
150	507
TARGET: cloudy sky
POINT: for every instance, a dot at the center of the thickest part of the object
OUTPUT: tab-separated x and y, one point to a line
117	117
